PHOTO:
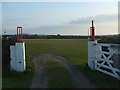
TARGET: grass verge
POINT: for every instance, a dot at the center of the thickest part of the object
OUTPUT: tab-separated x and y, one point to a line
76	51
13	79
101	80
58	77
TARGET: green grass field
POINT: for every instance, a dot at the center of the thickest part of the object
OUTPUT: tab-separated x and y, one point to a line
74	50
13	79
58	76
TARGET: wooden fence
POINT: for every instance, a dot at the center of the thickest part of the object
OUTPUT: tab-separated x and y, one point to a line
104	58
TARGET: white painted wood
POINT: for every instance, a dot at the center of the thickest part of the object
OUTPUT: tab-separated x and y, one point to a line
100	58
106	72
105	66
13	57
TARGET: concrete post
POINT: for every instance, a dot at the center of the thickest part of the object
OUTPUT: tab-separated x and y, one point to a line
13	57
17	53
92	45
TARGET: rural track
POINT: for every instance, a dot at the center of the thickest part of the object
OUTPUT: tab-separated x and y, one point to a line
40	79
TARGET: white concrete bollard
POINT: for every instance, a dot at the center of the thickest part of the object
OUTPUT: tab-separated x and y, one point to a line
17	54
92	45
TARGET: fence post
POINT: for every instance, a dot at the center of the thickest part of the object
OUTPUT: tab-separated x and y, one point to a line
18	53
92	46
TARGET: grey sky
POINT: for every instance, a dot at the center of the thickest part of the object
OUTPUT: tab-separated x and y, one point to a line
60	17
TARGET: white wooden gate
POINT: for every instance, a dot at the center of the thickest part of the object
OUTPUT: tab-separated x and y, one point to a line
104	60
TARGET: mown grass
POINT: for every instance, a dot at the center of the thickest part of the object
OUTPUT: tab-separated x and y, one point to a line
13	79
100	79
58	76
74	50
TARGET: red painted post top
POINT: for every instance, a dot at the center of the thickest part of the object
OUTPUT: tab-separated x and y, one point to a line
19	34
92	32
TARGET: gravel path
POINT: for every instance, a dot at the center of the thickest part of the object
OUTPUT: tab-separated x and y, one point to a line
40	79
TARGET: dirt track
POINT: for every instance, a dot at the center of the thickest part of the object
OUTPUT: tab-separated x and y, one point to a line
40	79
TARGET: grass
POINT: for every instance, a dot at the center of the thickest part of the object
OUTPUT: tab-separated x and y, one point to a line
74	50
58	77
100	79
13	79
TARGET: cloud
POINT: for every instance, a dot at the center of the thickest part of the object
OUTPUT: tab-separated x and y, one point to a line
81	20
99	19
53	29
104	24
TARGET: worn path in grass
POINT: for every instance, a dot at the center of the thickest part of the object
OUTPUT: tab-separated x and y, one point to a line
40	79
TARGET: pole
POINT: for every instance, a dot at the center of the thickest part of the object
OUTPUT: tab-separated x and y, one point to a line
92	32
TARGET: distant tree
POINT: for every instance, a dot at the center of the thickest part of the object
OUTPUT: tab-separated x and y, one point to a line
58	34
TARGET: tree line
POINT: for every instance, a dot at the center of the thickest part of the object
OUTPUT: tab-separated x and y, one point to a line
58	36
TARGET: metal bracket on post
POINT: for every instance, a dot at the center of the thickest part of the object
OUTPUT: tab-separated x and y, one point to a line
19	34
92	32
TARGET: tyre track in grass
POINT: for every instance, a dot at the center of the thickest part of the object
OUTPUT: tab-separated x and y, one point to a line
40	79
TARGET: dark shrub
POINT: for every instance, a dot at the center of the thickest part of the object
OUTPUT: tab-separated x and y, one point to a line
6	42
110	39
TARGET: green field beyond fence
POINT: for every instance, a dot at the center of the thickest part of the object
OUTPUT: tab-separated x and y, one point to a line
73	50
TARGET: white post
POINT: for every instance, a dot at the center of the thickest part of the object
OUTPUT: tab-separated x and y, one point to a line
13	57
92	45
17	54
